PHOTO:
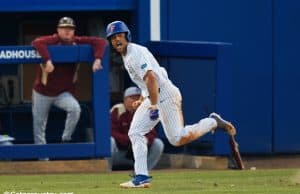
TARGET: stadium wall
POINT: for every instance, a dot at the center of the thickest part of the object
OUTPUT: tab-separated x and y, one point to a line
265	37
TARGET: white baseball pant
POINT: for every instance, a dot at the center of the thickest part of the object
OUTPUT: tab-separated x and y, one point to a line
170	115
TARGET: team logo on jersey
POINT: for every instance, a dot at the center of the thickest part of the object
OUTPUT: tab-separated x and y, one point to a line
144	66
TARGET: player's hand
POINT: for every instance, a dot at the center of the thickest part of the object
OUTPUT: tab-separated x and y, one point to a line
136	104
49	67
97	65
153	113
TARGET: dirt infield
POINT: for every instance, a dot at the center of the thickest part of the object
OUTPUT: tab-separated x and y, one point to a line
272	161
46	167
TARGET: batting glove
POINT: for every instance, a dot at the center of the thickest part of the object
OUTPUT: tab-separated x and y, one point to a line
153	114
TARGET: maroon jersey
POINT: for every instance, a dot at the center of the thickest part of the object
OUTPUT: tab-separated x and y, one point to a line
120	123
63	78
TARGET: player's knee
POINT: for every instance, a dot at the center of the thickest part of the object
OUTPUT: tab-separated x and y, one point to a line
174	142
76	109
75	112
132	135
135	136
158	144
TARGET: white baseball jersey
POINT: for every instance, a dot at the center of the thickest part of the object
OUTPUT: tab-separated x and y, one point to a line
137	61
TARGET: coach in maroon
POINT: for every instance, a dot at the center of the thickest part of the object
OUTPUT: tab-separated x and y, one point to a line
55	84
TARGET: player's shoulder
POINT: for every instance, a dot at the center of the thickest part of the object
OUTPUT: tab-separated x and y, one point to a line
136	48
45	38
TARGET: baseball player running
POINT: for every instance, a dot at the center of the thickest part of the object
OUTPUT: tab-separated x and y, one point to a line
162	102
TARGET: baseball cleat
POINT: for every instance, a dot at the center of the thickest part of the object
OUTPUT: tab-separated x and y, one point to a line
139	181
226	125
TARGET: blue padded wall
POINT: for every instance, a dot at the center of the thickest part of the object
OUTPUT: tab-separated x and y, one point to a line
195	105
248	26
286	76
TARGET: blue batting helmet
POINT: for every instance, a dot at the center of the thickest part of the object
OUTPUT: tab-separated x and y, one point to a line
117	27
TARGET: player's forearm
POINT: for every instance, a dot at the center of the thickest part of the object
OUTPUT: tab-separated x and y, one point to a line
42	49
98	44
99	48
152	86
41	44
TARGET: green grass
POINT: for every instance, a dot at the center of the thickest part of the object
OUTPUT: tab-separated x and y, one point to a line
283	181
